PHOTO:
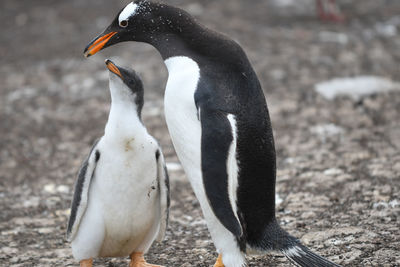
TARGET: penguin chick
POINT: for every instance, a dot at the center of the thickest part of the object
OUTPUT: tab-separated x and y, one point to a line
121	198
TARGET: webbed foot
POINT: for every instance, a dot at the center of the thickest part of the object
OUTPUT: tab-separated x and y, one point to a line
219	262
86	263
137	260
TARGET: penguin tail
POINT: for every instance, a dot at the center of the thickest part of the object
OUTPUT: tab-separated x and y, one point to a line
301	256
275	238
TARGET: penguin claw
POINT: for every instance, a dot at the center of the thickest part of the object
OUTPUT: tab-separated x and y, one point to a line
219	262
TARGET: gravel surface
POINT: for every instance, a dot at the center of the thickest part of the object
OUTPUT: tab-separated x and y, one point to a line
338	160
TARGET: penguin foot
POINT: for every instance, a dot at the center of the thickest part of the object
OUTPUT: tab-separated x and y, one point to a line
219	262
137	260
86	263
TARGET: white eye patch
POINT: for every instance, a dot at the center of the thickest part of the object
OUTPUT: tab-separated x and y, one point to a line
128	12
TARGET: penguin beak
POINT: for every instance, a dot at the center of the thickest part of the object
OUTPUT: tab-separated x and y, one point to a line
98	44
113	68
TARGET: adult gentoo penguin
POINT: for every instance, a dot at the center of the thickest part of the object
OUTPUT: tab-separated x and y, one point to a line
219	124
121	198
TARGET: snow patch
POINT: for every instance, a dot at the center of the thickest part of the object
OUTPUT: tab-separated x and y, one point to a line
355	87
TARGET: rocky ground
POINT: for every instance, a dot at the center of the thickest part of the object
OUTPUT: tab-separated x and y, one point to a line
338	160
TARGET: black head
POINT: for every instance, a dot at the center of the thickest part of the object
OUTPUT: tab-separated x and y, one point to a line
125	84
135	22
172	31
142	21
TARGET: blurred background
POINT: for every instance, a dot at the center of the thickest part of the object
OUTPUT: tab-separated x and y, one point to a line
332	86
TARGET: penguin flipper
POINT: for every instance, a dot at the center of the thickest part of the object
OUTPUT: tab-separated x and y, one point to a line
217	139
81	192
163	185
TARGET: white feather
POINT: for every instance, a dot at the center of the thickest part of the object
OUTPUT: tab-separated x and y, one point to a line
294	251
163	191
232	167
128	12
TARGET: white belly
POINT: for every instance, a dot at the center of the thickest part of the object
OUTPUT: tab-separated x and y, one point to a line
184	126
185	130
128	196
181	116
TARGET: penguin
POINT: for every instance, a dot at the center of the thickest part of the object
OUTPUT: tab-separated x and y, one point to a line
219	124
121	199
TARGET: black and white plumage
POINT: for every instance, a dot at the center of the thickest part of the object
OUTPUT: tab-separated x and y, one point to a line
218	120
121	198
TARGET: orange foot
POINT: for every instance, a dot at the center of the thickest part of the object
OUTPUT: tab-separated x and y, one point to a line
86	263
219	262
137	260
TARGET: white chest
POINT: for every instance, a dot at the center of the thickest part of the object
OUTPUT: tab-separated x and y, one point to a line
126	171
181	113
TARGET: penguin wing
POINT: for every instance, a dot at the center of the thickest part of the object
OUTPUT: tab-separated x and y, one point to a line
219	165
81	194
163	185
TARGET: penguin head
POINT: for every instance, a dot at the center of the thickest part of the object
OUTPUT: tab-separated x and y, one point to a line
125	85
141	21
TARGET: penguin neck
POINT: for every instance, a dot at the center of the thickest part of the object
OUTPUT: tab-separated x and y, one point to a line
124	119
182	35
171	45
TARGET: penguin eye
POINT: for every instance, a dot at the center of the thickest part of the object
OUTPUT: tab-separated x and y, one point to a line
123	23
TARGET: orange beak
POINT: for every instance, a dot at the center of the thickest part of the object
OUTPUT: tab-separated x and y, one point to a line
114	69
97	44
